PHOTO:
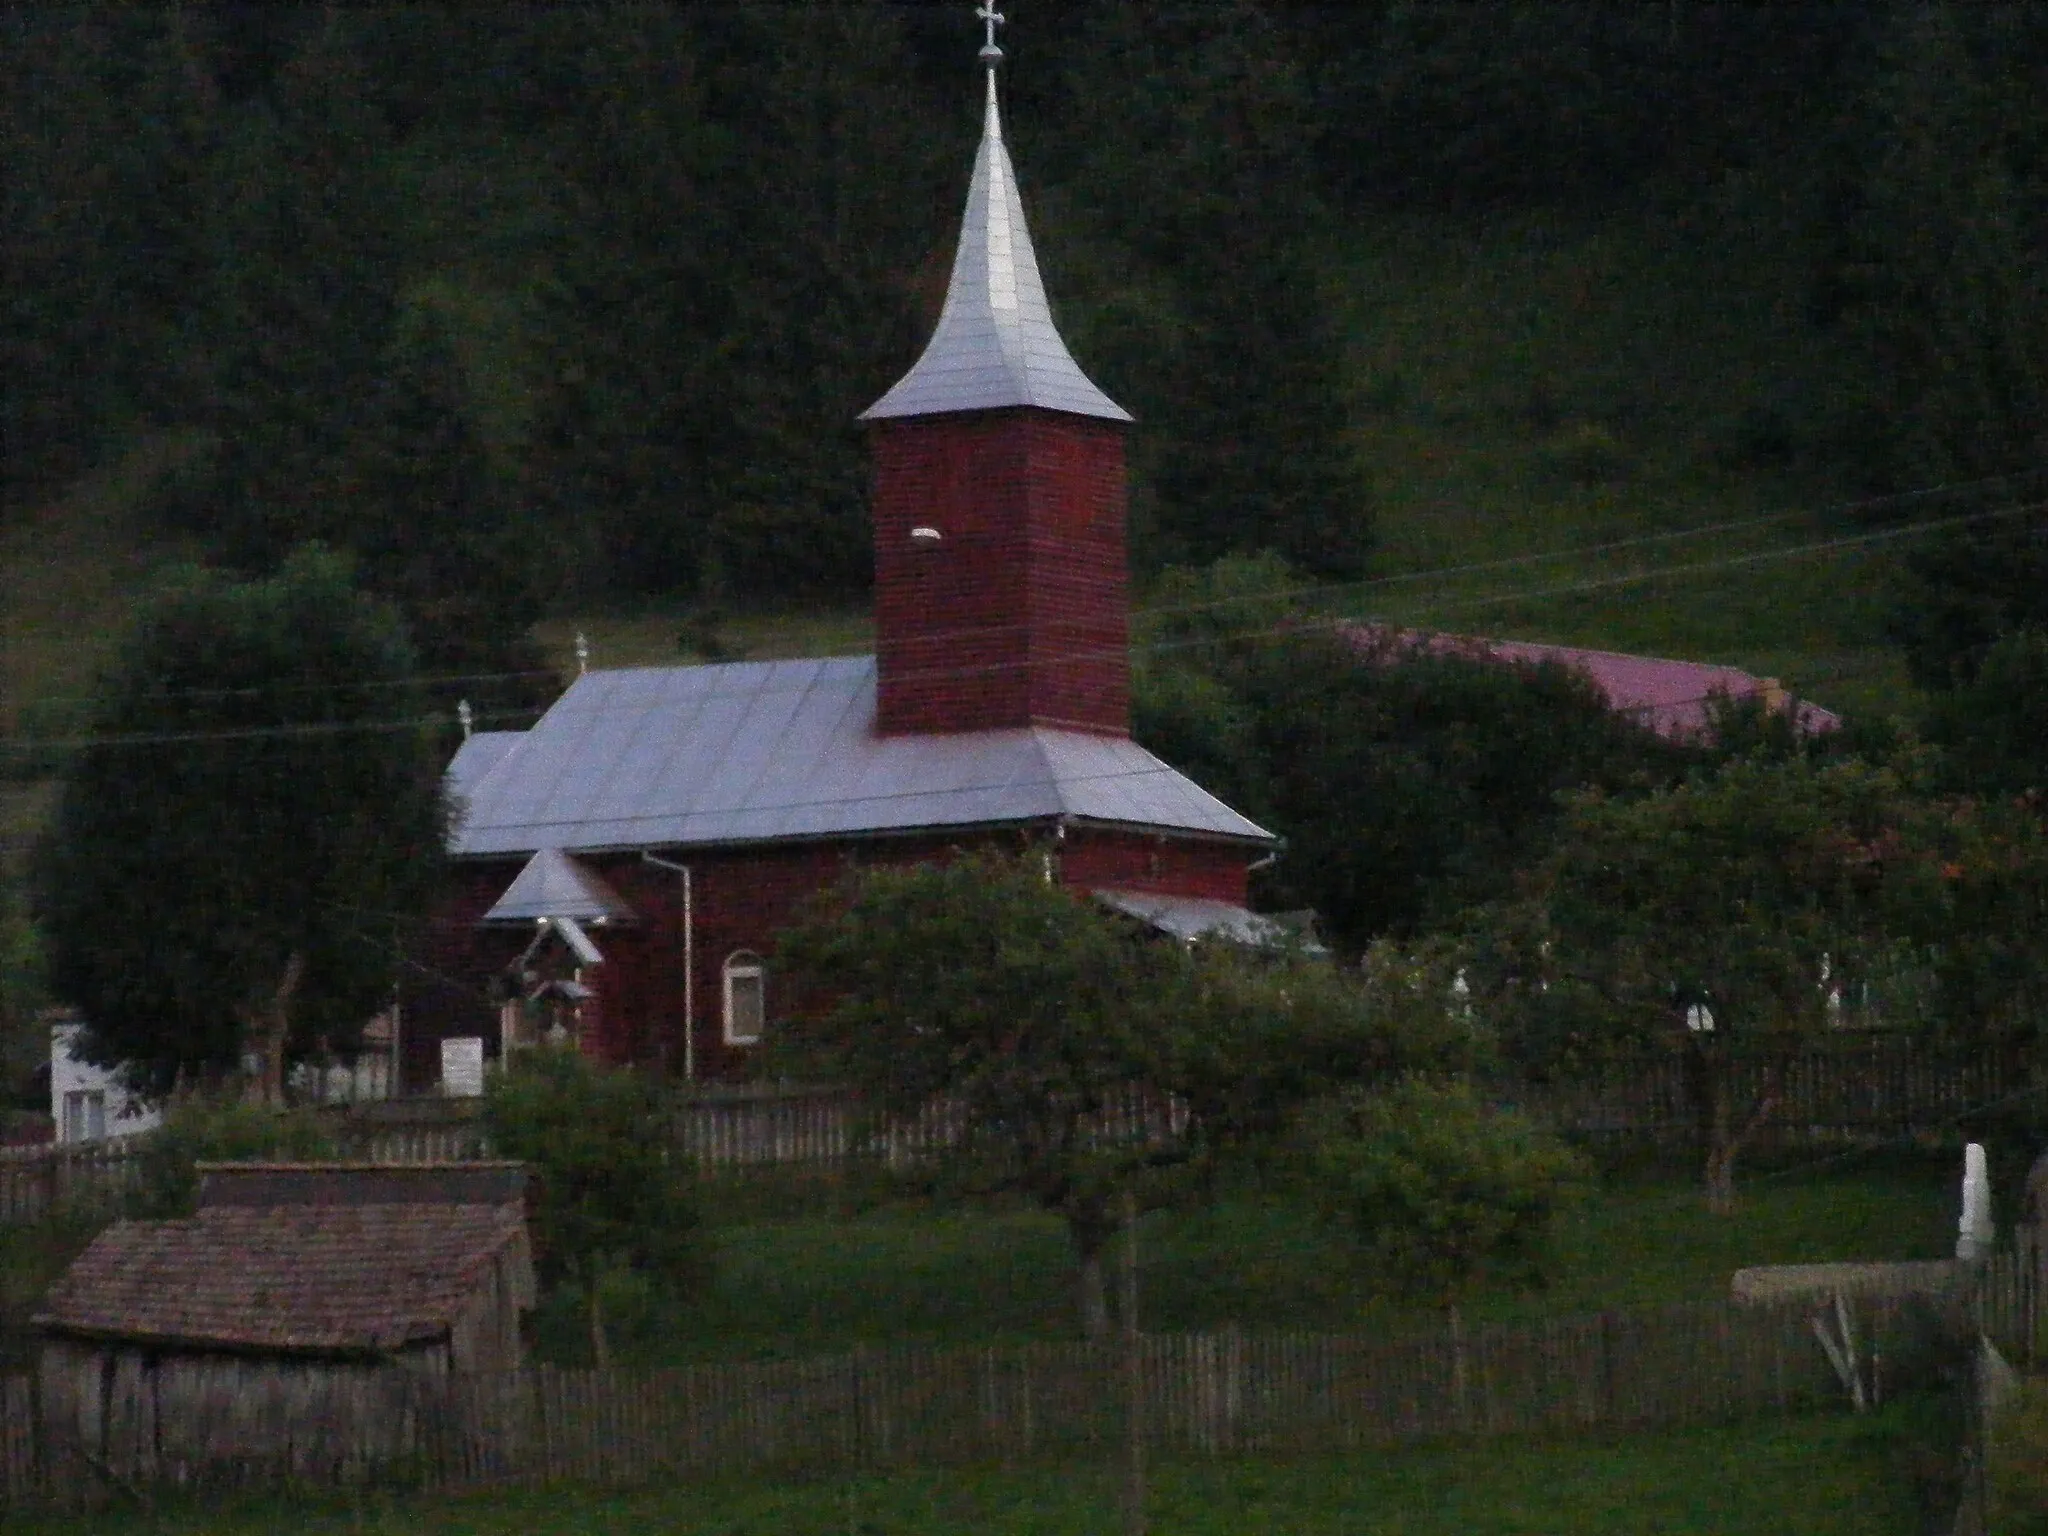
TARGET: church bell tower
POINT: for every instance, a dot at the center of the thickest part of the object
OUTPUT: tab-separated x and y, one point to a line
1001	580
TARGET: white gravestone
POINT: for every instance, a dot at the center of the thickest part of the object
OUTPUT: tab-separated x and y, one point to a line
462	1067
1974	1233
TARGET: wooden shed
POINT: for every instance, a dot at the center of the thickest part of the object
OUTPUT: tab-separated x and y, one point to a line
305	1324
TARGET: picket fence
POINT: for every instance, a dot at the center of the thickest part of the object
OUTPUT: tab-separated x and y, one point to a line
1856	1087
2007	1300
1214	1394
1871	1089
720	1133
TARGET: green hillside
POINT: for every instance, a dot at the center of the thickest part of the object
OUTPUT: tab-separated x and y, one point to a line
1575	322
1523	397
1535	392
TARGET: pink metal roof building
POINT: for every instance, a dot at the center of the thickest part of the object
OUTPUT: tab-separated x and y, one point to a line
1673	698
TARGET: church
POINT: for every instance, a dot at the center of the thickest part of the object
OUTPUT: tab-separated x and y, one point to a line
623	867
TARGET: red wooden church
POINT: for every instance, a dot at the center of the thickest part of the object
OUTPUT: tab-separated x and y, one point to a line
644	842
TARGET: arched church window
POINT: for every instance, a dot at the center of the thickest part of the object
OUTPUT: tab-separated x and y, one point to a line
746	997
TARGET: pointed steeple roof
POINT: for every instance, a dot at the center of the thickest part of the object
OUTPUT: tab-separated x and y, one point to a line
995	344
555	885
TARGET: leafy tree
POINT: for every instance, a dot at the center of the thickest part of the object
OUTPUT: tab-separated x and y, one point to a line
1971	914
300	300
23	1046
1994	728
1751	894
1198	637
1409	785
1960	592
1184	158
1936	278
1434	1183
611	1199
103	128
257	812
1251	1040
201	1130
438	528
982	983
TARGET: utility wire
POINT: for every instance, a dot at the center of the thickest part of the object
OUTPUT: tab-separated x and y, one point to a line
1152	771
1297	626
1307	593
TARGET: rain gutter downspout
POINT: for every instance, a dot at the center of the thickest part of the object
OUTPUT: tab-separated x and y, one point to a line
689	962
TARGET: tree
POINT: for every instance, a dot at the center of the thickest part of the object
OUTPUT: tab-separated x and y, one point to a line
1250	1040
103	122
1937	277
256	814
1718	917
438	528
199	1130
982	983
1962	591
1994	728
1435	1184
1183	154
300	301
611	1201
737	281
1409	785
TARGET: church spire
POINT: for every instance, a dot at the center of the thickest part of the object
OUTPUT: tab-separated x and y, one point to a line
995	345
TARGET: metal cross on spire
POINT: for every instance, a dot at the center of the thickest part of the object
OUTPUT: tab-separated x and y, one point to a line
991	18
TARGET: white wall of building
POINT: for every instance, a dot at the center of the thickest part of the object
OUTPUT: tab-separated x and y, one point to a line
86	1101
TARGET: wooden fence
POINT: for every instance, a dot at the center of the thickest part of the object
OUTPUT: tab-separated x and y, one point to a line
1868	1089
93	1176
2007	1298
732	1132
1210	1394
1855	1087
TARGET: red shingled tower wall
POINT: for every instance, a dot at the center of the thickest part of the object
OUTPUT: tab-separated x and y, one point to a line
1018	614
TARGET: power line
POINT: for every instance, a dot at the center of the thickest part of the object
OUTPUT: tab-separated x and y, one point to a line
1307	593
1296	626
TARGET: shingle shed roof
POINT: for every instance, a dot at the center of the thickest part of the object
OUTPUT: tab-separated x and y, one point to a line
325	1279
750	751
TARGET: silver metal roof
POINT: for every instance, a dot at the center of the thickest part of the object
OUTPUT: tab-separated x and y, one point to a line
1195	917
553	885
750	751
995	344
477	755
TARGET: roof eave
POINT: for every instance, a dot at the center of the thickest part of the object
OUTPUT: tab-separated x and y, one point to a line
1261	839
437	1333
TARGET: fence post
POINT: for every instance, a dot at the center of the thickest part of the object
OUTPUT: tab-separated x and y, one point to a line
1610	1407
1461	1407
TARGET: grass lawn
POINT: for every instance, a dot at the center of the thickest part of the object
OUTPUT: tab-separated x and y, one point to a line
820	1282
1813	1477
1807	1477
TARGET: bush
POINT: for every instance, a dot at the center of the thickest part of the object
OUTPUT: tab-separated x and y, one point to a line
613	1221
201	1131
1436	1185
